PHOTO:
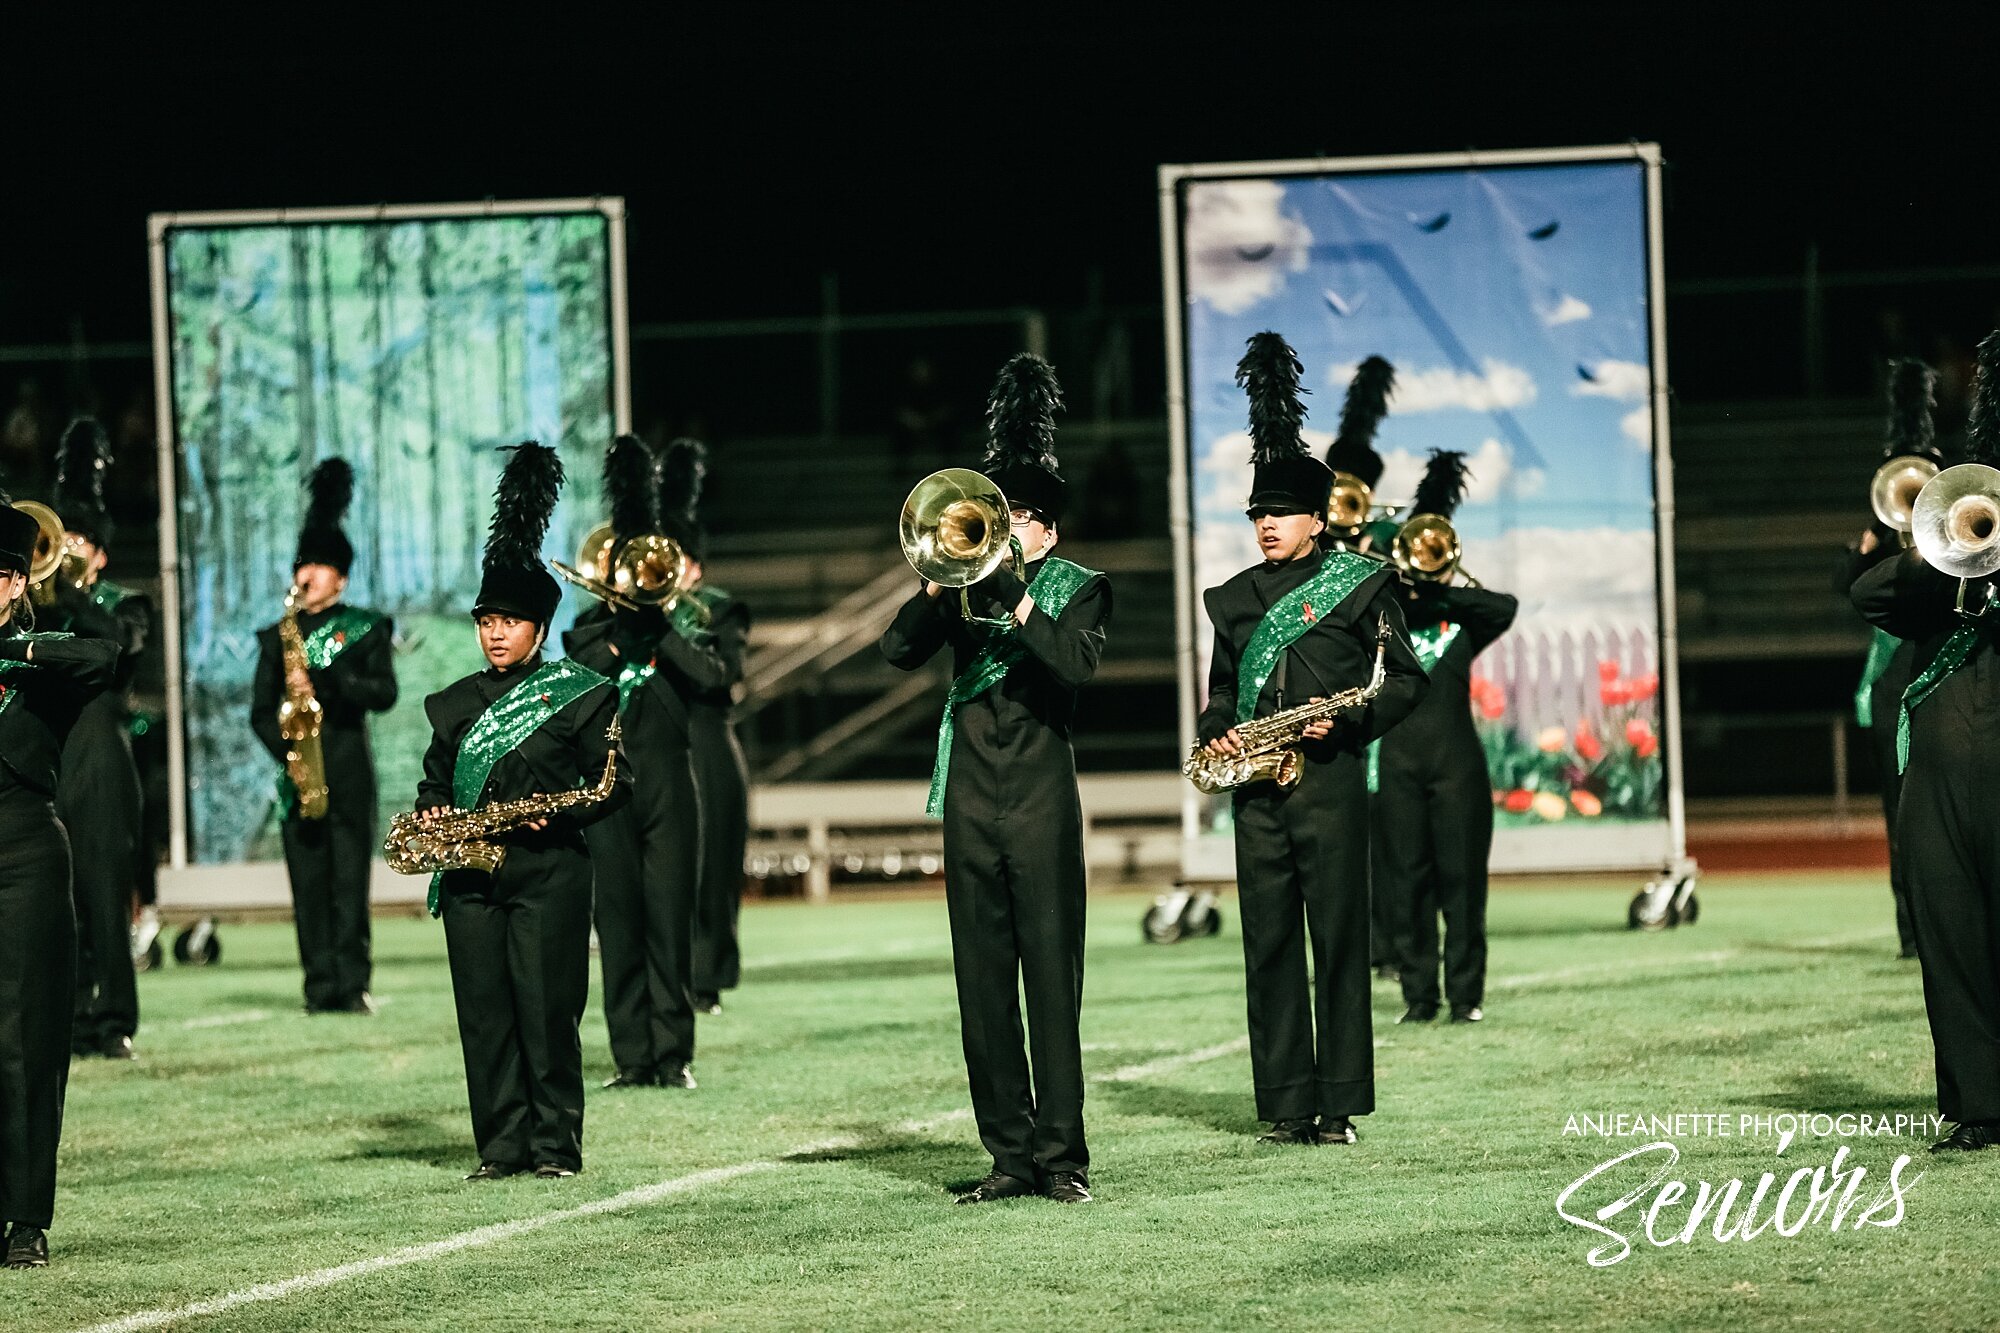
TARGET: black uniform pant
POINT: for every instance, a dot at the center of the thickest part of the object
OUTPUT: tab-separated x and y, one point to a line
1882	741
329	860
100	808
1014	888
1433	836
723	781
1949	822
37	983
519	944
1302	890
1385	920
647	862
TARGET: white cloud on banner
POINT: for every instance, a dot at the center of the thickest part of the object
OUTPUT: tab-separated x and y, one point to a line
1637	426
1240	244
1441	388
1489	466
1566	311
1627	381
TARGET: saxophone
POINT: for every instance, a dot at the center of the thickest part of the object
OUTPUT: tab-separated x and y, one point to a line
1270	744
299	716
469	839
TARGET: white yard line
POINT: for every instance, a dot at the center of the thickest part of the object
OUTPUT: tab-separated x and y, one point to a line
227	1019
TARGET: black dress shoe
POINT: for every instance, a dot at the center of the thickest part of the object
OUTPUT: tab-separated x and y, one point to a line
1069	1187
633	1078
1291	1131
1336	1129
1419	1013
550	1171
494	1171
677	1076
707	1002
1969	1137
997	1186
1467	1013
27	1247
117	1048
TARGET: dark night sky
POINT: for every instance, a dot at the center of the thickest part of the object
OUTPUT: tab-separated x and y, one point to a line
997	160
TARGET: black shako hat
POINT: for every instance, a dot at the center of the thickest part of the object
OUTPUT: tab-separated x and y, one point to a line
17	538
82	456
1021	437
1286	476
513	580
1367	402
329	491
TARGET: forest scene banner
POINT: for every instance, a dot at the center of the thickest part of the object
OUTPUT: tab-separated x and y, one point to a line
1514	305
414	350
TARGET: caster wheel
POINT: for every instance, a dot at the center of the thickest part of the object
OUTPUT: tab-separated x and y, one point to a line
149	958
1162	925
1651	910
1213	924
198	945
1691	911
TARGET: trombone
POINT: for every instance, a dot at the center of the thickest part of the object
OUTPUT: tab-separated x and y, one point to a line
1955	526
51	554
1350	505
1893	491
956	528
1427	550
649	570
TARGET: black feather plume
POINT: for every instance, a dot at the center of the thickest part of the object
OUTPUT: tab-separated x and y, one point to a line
1021	414
631	484
81	458
1367	402
329	492
682	473
523	504
1442	489
1269	372
1912	398
1983	423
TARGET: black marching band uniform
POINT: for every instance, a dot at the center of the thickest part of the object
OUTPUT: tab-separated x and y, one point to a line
46	680
1287	632
1887	673
1352	455
1948	817
648	857
350	661
98	799
1432	797
519	938
1005	784
722	783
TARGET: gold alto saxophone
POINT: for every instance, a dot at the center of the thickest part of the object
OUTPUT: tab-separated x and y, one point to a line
299	717
1270	745
469	839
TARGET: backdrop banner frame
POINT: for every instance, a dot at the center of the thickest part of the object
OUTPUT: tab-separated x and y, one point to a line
1208	858
168	446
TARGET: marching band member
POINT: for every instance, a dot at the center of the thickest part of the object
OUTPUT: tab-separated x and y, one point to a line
648	857
350	670
519	938
46	680
1433	802
1303	623
1948	723
1005	783
1877	699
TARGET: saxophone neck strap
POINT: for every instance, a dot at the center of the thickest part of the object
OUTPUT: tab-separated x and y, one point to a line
1289	619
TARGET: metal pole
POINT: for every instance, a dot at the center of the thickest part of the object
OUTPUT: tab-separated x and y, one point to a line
165	444
1840	775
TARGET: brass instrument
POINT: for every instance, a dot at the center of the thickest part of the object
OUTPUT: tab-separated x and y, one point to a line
50	545
1350	503
468	839
1955	525
1270	744
648	570
956	528
1427	550
299	718
1893	492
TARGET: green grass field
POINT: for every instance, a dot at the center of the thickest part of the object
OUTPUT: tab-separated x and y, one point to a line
805	1181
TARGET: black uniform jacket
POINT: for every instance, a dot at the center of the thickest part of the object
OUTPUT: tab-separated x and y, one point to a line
1023	723
1440	729
684	668
95	745
361	680
729	621
563	753
47	694
1916	603
1337	653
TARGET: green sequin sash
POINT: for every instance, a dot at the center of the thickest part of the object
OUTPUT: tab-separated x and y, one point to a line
1951	655
1880	649
1055	583
342	630
1431	643
1339	574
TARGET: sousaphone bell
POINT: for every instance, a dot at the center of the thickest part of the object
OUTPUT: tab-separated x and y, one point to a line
1955	524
